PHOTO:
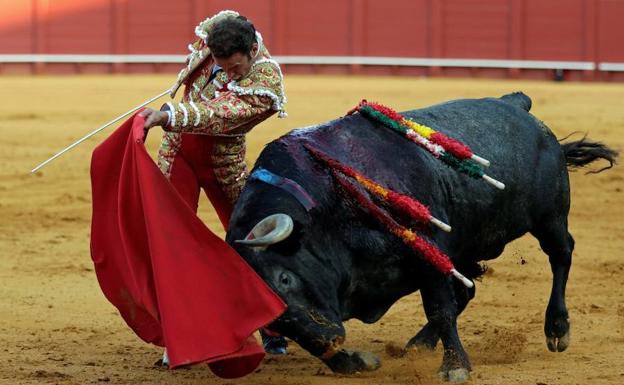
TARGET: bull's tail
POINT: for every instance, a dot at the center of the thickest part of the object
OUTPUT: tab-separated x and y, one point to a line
582	152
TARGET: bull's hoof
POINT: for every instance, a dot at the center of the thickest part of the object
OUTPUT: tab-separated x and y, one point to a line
558	344
348	362
455	375
557	330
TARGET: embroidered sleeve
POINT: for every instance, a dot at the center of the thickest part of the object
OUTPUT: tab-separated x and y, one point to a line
228	113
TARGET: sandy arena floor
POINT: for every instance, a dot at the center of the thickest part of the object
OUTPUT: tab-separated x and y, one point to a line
56	327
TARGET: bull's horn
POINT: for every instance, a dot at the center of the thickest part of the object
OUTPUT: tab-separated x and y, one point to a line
270	230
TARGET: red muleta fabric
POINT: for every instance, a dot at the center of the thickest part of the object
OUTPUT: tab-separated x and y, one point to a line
174	282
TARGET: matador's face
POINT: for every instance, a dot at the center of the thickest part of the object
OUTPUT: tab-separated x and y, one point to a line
238	65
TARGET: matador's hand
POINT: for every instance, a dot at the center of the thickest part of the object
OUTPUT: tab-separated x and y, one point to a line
153	118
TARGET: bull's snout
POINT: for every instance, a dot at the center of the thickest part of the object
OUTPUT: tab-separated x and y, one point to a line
333	346
314	332
345	361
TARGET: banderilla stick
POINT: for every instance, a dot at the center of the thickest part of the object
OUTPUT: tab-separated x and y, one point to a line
98	130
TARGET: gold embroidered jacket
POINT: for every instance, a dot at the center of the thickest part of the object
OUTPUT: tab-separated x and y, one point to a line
222	108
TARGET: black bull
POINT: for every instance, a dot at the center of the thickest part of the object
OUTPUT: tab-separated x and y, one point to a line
341	263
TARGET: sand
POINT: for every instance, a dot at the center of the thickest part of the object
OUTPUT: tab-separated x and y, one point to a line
56	327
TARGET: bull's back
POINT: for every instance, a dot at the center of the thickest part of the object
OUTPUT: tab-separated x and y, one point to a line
525	156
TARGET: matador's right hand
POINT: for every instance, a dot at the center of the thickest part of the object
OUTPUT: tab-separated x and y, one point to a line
153	118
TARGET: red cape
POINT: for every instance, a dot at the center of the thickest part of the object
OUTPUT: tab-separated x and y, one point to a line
175	283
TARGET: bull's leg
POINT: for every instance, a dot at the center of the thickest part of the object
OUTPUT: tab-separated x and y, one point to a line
555	240
427	338
441	308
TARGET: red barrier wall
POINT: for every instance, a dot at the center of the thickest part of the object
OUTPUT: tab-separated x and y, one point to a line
552	30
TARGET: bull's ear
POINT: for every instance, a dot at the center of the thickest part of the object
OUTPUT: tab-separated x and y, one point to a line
272	229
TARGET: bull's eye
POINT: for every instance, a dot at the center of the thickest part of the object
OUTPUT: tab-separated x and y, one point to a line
284	280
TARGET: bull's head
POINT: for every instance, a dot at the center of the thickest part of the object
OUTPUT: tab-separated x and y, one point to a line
298	272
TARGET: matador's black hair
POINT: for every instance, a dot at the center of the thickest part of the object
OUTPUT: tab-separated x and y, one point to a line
231	35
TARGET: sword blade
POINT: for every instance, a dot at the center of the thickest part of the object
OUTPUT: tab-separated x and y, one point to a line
96	131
